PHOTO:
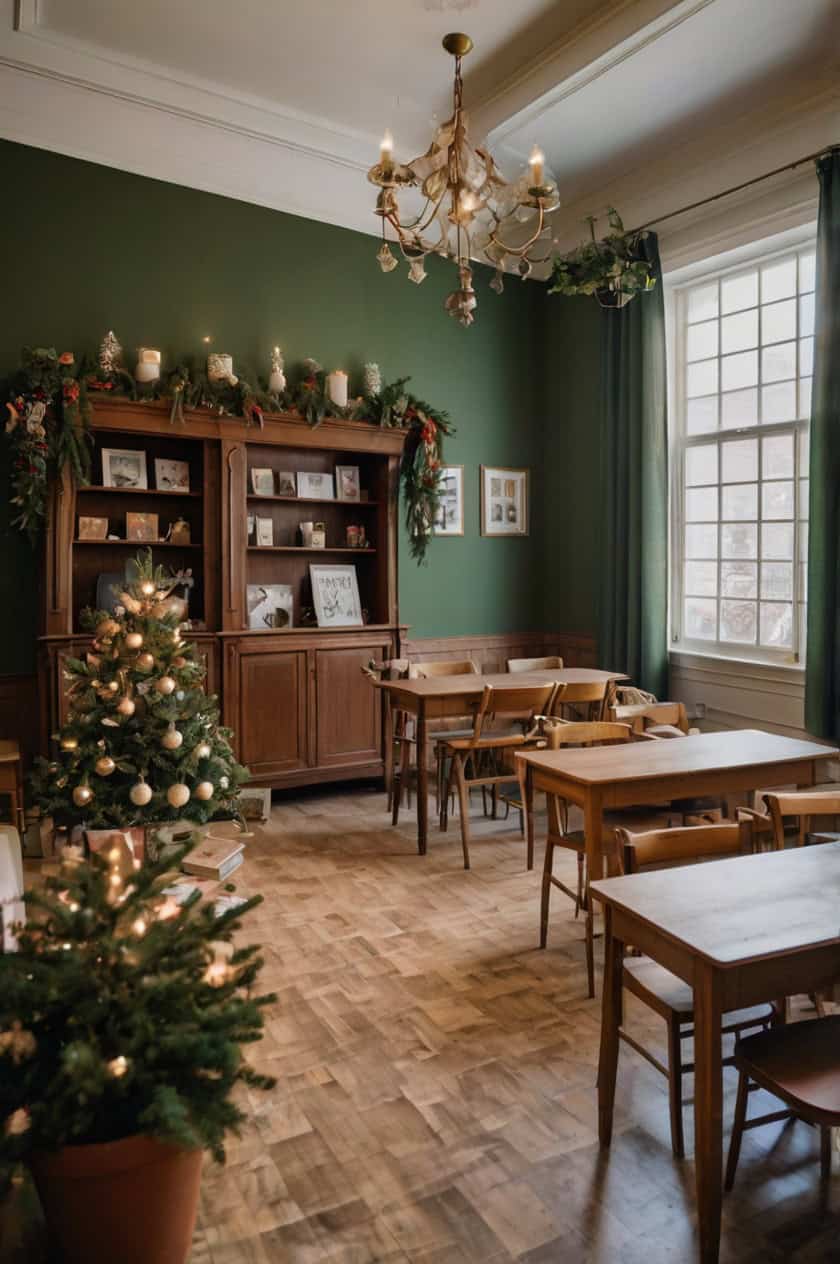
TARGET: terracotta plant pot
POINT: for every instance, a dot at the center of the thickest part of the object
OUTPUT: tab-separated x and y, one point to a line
132	1201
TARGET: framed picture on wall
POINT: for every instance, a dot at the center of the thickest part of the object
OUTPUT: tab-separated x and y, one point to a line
335	595
504	500
449	519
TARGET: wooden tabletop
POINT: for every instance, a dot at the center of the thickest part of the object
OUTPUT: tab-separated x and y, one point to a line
441	686
700	753
734	911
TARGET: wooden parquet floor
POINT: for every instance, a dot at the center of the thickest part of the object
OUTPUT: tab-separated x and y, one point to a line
436	1076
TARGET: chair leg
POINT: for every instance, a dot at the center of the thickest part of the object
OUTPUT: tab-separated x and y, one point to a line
590	949
675	1074
546	891
579	897
825	1153
444	808
738	1121
401	781
464	806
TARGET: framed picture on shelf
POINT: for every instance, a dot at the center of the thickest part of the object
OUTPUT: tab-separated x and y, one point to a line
286	483
123	467
141	526
315	486
335	594
93	528
269	606
254	803
262	482
449	519
347	482
171	476
265	532
504	500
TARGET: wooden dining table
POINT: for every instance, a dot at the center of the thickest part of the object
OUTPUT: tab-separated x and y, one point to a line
639	773
446	697
740	932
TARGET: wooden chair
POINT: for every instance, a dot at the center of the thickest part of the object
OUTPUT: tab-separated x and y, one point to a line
551	662
663	992
534	703
11	782
425	671
583	701
802	806
399	735
800	1064
663	719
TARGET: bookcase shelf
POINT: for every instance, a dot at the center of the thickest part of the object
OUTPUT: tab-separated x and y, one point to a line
316	500
136	491
137	544
302	548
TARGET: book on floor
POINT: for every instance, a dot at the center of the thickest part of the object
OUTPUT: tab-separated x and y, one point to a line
214	858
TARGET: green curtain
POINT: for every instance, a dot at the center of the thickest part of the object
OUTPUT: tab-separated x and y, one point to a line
633	508
822	656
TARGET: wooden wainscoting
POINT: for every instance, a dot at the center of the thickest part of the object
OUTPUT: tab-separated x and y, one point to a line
490	653
19	713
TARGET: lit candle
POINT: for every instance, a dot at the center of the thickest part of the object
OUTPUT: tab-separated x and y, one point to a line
337	387
386	149
148	365
537	164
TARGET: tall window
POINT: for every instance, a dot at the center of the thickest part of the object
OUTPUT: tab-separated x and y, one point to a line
744	349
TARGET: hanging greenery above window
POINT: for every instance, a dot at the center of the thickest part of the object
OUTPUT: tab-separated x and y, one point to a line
614	269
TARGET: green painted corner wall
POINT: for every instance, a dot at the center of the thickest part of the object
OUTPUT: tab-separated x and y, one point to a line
88	248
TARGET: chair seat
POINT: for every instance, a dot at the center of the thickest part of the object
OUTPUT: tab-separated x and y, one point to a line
665	730
799	1063
653	983
491	741
446	735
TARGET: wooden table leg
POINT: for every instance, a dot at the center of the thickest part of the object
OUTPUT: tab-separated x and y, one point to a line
611	1019
708	1109
389	747
592	828
422	781
526	784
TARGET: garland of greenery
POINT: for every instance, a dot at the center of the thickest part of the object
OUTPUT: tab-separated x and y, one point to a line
613	269
50	416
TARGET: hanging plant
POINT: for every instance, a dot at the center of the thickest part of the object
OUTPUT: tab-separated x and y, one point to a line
47	428
614	269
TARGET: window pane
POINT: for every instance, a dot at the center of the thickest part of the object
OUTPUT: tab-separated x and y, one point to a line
804	451
740	502
703	302
701	504
777	581
701	414
778	280
806	315
701	618
806	356
701	540
777	500
700	579
778	362
739	370
701	465
701	378
738	539
777	541
804	493
739	292
803	580
702	340
740	331
777	624
737	621
807	269
778	402
777	456
739	408
803	631
778	321
803	539
739	459
739	579
805	397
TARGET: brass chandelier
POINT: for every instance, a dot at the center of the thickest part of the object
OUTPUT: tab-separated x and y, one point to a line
470	210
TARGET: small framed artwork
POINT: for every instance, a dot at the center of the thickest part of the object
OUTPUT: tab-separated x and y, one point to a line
141	526
504	501
262	482
123	467
269	606
449	519
286	483
93	528
315	486
265	532
171	476
335	595
347	482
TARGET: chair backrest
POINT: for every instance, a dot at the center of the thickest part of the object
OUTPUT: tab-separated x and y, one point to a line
661	848
644	715
551	662
801	805
444	667
526	701
586	733
579	692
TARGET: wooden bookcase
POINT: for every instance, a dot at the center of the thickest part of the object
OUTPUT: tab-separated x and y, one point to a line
295	697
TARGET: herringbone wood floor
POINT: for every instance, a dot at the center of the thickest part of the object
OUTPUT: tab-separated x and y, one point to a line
436	1076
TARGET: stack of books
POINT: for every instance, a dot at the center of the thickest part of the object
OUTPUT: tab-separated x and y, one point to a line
215	858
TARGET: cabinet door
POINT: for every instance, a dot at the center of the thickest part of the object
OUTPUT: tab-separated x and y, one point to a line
348	708
272	712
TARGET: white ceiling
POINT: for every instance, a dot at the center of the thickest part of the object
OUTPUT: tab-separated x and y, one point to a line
644	103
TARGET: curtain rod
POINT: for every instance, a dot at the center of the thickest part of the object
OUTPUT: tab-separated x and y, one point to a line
715	197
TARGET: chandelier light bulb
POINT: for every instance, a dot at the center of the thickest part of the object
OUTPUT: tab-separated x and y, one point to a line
537	165
386	148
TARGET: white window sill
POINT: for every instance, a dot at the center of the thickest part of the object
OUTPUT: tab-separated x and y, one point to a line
728	665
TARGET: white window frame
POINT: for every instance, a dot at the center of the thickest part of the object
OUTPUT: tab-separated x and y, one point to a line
677	284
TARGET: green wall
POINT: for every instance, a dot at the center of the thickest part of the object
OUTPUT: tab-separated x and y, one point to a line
85	248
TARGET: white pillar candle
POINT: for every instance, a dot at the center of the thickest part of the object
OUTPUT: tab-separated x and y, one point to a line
277	378
148	365
337	388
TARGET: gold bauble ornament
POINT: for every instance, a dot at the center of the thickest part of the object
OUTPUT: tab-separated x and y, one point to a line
125	706
165	684
179	662
105	766
107	628
145	661
178	794
82	795
204	790
202	751
133	641
69	743
171	739
140	793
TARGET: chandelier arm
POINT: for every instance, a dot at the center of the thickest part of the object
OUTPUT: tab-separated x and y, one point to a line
519	251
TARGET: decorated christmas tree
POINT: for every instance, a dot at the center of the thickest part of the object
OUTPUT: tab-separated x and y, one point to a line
142	742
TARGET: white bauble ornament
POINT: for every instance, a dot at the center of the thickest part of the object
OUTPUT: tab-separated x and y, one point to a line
105	765
165	684
82	795
178	794
133	640
171	739
112	686
125	706
140	793
204	790
202	751
224	782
